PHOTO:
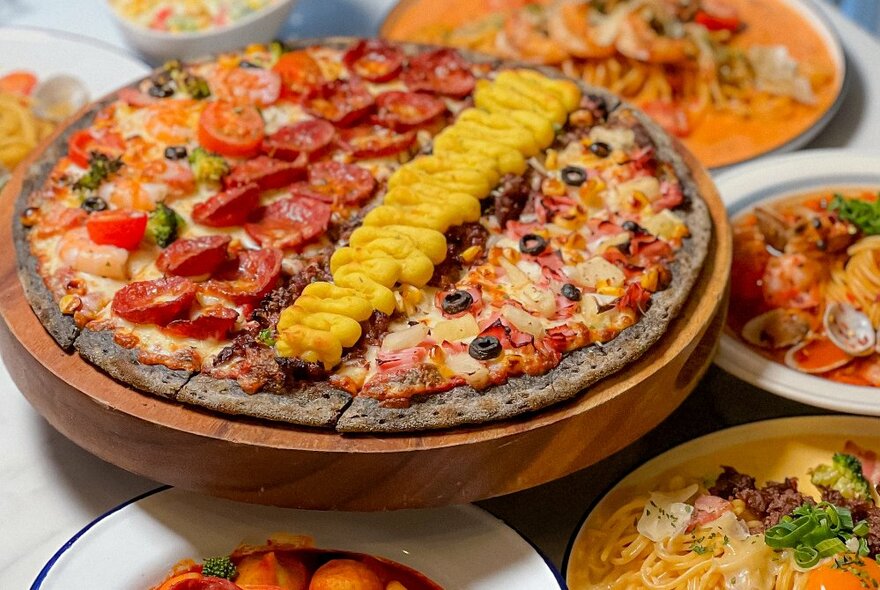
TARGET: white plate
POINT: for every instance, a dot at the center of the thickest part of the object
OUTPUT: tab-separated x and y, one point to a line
133	546
780	177
768	450
101	67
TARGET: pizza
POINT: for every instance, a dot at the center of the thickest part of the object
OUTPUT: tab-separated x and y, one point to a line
360	235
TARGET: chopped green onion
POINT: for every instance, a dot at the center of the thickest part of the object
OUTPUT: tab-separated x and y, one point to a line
830	547
861	529
806	557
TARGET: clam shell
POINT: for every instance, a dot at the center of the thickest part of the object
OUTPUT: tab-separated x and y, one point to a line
850	329
816	356
777	328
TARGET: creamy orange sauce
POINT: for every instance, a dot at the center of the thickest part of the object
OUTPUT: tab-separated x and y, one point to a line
720	138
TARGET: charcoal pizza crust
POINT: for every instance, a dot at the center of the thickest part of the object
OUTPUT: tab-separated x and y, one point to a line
321	405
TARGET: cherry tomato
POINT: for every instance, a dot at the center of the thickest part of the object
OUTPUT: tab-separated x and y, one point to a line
230	207
290	222
193	256
266	172
19	82
84	142
442	71
299	72
231	130
405	110
306	137
374	60
122	228
342	102
214	322
338	182
246	86
154	302
375	141
249	278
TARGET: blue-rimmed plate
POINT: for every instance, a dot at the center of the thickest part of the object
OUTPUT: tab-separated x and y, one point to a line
133	546
778	178
770	450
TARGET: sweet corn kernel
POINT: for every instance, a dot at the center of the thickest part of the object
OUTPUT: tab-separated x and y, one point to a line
471	254
69	304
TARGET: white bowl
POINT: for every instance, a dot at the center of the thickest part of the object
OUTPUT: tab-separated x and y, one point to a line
160	46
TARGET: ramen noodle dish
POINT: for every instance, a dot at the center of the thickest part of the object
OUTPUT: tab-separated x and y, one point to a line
718	72
731	532
807	292
20	130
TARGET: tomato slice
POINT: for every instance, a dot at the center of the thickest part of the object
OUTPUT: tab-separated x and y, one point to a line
299	72
442	71
193	256
342	102
249	278
290	222
267	173
375	141
246	86
306	137
231	130
154	302
374	60
84	142
405	110
215	322
19	82
231	207
122	228
338	182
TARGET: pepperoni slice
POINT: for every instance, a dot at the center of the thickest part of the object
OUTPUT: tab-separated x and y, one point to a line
342	102
290	222
442	71
405	110
154	302
193	256
374	141
374	60
215	322
231	207
306	137
267	173
338	182
208	583
299	73
248	278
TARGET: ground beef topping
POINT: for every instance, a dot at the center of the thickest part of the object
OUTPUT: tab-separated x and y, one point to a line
767	504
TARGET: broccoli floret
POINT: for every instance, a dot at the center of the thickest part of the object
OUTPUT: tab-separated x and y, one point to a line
101	166
277	49
219	567
844	475
163	225
196	86
207	166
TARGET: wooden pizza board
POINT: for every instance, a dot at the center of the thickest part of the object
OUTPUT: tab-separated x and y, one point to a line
268	463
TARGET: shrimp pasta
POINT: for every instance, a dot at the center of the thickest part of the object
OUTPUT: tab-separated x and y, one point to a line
810	297
693	66
728	532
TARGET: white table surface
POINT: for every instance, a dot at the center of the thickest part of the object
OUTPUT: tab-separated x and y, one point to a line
50	488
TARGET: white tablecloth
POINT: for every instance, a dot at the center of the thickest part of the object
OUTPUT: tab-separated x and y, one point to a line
50	488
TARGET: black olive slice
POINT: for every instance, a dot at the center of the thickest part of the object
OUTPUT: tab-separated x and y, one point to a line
484	348
600	149
456	301
161	90
532	244
92	204
571	292
632	226
175	152
573	175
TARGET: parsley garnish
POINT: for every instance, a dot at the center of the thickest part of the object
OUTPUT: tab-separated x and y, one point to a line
266	337
863	214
